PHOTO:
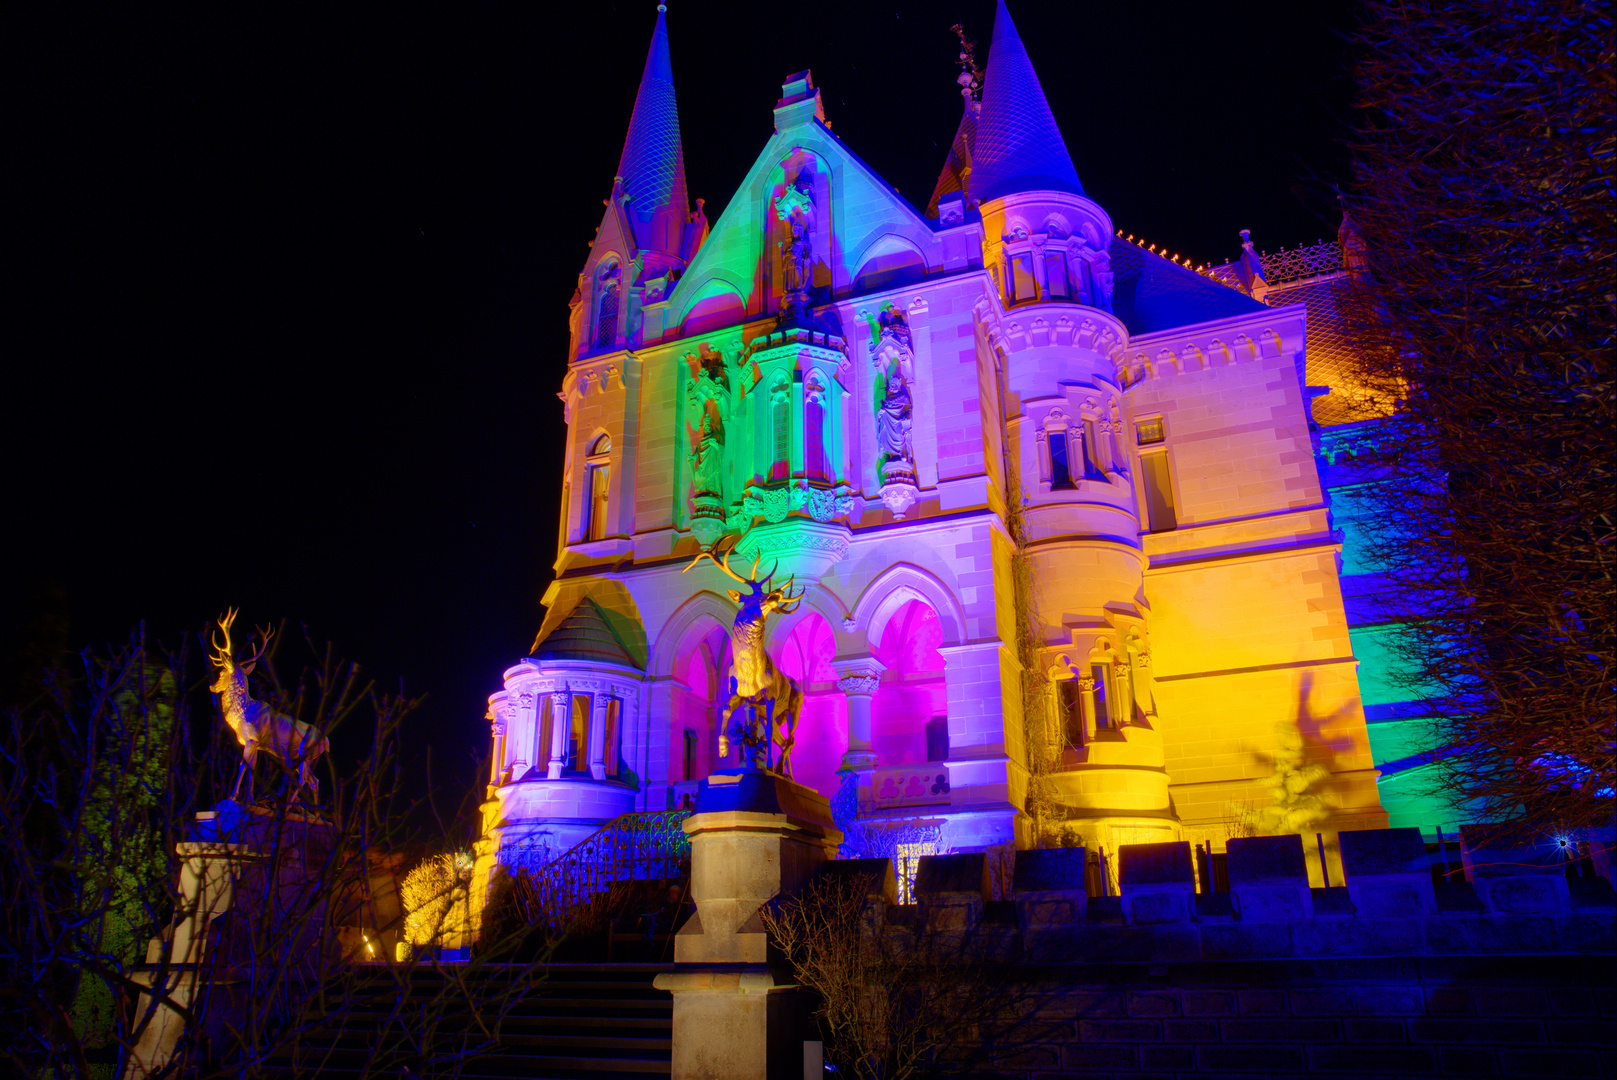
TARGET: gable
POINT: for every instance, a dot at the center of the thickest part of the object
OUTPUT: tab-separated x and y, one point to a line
864	235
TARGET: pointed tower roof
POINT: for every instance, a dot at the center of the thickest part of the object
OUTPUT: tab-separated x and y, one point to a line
956	174
584	635
652	168
1018	147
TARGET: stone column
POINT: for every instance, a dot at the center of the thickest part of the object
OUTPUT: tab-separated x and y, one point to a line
858	681
754	836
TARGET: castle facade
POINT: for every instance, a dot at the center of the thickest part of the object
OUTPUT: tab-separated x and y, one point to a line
1051	499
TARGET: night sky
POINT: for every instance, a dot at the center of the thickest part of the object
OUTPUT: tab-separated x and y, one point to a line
289	285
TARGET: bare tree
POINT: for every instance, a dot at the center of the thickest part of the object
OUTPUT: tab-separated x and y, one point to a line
101	779
1480	236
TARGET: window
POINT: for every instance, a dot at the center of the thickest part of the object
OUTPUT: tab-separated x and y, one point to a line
578	740
1060	470
541	751
610	729
1102	674
1071	699
1086	282
606	309
1092	469
1055	275
1159	508
780	421
1149	432
598	467
688	756
814	428
1023	286
937	739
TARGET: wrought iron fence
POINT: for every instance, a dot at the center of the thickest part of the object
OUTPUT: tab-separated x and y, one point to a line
641	847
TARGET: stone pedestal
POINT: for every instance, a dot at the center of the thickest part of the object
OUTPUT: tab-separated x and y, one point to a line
754	836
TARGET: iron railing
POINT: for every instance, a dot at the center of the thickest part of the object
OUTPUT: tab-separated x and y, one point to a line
642	847
1281	267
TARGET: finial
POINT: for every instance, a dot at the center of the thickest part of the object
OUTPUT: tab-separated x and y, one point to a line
1246	239
662	9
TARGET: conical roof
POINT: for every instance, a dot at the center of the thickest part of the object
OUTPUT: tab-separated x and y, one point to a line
957	166
1018	147
584	635
652	168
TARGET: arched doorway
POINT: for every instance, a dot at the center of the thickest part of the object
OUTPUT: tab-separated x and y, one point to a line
822	729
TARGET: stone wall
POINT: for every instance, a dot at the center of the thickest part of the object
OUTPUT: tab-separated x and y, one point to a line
1510	972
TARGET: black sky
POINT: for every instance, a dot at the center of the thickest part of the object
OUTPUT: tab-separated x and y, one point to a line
288	311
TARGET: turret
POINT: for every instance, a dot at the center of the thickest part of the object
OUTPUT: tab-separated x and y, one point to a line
647	235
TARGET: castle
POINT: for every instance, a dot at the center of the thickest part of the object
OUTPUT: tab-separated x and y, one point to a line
1052	500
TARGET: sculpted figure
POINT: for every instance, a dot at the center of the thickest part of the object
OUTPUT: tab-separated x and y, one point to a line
257	726
894	405
708	454
773	699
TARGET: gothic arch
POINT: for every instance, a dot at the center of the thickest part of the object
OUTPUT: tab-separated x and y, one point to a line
889	260
716	302
816	600
676	631
898	585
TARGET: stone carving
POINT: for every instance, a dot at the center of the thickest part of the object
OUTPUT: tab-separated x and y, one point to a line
774	504
709	395
795	209
893	356
772	699
859	682
257	726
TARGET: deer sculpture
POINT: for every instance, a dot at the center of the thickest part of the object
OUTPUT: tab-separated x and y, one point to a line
755	682
257	726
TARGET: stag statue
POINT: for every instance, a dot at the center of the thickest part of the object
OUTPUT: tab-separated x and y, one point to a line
257	726
774	699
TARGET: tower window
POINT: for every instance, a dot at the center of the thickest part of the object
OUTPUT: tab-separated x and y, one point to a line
1023	285
937	739
541	750
1060	469
1092	467
606	310
578	736
1102	674
598	466
1055	274
611	729
1160	515
1071	700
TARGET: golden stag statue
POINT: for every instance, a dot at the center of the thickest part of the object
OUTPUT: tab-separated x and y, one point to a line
257	726
755	681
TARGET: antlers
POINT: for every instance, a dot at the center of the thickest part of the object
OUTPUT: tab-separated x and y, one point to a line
707	553
222	653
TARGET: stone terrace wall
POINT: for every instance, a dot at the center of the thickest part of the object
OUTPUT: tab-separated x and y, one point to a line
1470	1016
1510	973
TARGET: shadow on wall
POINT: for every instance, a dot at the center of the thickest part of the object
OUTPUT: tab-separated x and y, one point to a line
1299	771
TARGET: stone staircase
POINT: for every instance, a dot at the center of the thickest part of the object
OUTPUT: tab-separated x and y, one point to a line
557	1022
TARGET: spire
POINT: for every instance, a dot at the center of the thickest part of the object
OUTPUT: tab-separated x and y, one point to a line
651	172
1018	147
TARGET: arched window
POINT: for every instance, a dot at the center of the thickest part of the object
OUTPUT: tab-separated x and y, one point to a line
780	424
598	469
606	308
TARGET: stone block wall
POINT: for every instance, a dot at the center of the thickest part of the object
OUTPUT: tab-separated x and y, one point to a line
1383	977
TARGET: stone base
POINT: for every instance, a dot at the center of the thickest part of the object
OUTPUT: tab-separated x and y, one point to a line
739	1023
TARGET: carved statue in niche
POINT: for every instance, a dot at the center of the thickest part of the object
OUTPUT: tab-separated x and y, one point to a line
708	394
894	359
795	209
